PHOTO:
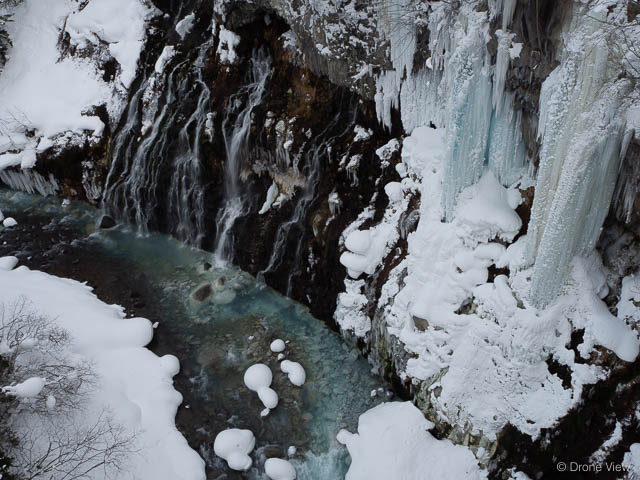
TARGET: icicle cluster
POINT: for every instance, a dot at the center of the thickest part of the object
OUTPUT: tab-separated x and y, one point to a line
582	136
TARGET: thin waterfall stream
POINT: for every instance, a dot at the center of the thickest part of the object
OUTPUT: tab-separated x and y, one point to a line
236	139
145	151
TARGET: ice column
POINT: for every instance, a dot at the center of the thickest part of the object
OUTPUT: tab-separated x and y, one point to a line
581	130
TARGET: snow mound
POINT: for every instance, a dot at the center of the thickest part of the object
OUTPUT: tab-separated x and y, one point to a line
234	446
485	210
277	346
8	263
258	378
9	222
294	371
393	442
279	469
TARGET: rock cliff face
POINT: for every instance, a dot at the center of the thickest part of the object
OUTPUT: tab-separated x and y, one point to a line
296	138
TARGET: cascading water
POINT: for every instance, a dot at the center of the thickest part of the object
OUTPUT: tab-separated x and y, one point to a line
236	139
134	190
320	149
186	195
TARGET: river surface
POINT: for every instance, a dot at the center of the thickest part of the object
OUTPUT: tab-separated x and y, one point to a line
216	339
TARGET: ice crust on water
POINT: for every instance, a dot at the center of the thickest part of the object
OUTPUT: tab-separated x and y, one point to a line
234	446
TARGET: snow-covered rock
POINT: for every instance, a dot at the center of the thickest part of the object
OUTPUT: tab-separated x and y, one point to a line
258	378
9	222
234	446
294	371
393	442
277	345
279	469
48	93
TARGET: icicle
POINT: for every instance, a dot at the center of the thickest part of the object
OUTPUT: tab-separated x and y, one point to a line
396	23
507	155
508	9
502	65
581	130
334	203
469	113
29	181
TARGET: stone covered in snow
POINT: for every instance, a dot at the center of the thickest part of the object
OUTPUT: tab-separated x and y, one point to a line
234	446
294	371
279	469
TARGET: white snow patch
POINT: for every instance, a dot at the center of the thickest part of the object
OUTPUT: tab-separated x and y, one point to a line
9	222
185	25
227	45
168	52
393	442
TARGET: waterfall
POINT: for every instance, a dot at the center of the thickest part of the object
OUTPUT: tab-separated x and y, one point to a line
319	150
236	140
143	156
186	194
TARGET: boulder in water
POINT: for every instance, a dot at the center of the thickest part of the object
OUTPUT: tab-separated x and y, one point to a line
107	222
203	292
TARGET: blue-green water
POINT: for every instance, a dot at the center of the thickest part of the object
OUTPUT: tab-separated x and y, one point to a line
217	339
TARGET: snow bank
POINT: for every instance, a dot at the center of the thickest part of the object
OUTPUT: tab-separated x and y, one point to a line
393	442
134	384
234	446
48	92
